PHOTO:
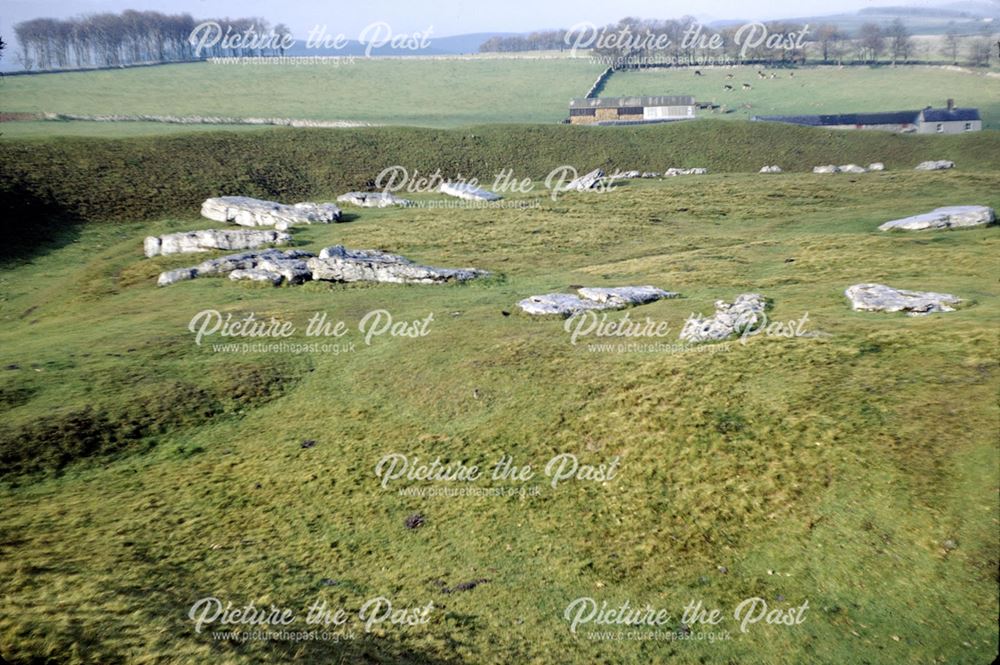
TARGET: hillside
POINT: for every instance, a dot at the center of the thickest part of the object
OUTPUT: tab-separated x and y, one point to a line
127	180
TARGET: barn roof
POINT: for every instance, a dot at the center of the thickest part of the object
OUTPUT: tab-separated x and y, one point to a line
621	102
827	120
951	115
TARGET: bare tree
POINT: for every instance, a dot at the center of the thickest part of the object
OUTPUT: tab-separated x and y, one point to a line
831	42
872	41
132	37
952	42
981	50
900	44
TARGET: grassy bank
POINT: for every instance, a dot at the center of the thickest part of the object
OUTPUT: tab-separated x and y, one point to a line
148	177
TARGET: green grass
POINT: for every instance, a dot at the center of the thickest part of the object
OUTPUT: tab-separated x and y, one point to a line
147	177
820	89
826	469
43	129
450	93
433	93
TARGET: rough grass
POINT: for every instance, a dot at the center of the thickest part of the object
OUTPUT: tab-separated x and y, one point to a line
829	469
116	180
812	90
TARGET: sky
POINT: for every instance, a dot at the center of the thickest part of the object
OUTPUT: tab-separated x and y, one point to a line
447	17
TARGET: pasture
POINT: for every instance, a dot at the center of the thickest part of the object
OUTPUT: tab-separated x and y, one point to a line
453	92
812	90
425	92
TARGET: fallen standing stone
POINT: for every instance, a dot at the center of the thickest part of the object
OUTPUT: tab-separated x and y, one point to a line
949	217
729	319
246	211
173	276
340	264
209	239
585	182
673	171
596	298
246	261
257	275
373	199
933	165
467	192
882	298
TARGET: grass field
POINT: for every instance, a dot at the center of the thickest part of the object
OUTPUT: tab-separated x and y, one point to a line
857	470
433	93
821	89
449	93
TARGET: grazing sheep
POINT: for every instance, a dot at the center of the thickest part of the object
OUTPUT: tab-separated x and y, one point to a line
697	72
774	76
727	87
747	86
729	76
760	75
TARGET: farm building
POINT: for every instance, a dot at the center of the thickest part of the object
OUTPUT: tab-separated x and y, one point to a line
949	120
621	110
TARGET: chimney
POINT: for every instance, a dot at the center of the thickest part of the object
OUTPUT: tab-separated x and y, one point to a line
951	104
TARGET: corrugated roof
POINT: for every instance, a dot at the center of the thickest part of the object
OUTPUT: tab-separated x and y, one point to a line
620	102
951	115
828	120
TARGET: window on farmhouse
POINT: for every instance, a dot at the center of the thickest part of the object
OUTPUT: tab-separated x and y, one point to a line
940	127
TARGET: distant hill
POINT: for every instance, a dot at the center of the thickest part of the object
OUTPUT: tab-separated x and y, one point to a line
915	11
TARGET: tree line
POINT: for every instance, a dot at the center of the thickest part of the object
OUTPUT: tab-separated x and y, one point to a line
827	43
129	38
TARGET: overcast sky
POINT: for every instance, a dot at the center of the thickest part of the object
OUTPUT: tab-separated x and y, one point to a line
446	17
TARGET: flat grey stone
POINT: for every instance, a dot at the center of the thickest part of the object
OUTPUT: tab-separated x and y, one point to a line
246	261
209	239
585	182
294	271
257	275
770	169
882	298
949	217
625	296
596	298
340	264
559	304
729	319
373	199
467	192
247	211
935	165
173	276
